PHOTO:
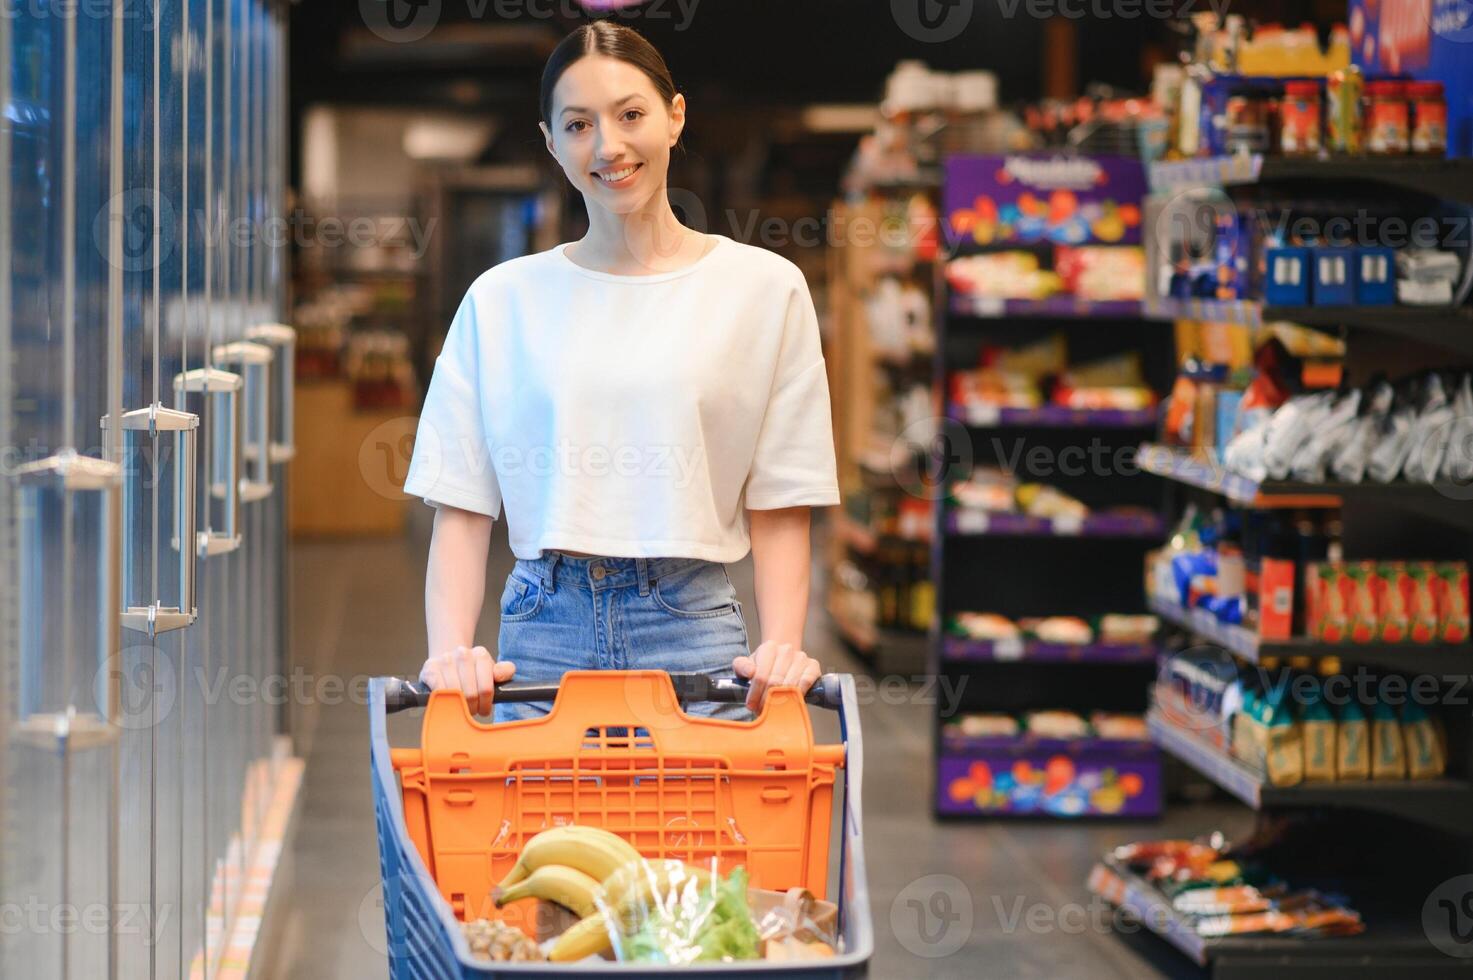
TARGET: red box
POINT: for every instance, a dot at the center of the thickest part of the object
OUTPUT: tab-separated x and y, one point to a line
1275	598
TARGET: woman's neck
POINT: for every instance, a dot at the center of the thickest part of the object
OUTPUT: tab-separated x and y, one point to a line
646	241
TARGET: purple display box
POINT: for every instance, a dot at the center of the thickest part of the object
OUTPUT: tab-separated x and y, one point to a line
1052	416
962	648
968	522
1039	198
1036	777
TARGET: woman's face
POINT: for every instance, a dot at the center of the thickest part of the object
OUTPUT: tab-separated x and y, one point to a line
611	132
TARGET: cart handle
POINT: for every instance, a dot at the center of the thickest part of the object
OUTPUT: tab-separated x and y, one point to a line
401	694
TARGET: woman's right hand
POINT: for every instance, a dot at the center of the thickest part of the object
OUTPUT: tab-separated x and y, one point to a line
470	670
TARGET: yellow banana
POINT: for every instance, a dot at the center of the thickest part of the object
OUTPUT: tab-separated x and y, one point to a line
592	850
569	887
586	937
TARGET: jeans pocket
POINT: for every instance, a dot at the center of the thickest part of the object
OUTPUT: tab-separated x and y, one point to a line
701	592
520	599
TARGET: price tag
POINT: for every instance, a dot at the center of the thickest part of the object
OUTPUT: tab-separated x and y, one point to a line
1008	648
983	415
1070	524
972	521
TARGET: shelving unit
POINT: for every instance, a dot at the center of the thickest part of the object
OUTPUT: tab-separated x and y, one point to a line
980	564
1433	818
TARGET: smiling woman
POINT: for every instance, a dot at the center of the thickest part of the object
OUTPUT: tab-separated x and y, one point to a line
642	342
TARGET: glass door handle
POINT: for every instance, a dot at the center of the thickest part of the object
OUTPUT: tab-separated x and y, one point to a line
255	370
282	339
155	420
222	469
39	720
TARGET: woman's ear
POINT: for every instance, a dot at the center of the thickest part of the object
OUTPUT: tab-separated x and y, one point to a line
677	118
547	138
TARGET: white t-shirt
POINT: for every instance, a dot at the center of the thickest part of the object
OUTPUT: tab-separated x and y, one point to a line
631	416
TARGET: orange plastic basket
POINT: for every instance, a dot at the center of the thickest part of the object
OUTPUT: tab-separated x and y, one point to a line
617	752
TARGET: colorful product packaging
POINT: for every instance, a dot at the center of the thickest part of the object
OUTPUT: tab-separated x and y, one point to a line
1352	743
1421	600
1359	582
1388	750
1426	757
1317	723
1451	600
1275	598
1391	588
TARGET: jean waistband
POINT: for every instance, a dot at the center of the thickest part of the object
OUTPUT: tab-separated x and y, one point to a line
554	568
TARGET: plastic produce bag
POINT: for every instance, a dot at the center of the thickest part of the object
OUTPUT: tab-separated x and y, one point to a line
1244	455
1430	434
1457	462
1354	455
665	911
797	928
1290	427
1326	440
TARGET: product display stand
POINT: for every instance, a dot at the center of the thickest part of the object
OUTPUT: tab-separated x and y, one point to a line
1020	566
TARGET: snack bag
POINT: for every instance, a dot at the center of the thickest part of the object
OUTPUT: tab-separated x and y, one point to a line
1352	743
1334	605
1421	597
1426	758
1388	750
1317	723
1391	602
1285	754
1451	595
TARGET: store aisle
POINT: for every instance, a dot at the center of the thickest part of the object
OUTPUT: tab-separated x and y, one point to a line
357	611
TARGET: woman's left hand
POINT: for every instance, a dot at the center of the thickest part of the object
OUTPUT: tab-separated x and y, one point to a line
775	664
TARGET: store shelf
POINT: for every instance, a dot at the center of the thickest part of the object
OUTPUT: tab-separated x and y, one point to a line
1450	328
1058	307
1030	777
1394	940
969	522
1447	502
1420	658
1051	417
1446	803
1448	180
959	649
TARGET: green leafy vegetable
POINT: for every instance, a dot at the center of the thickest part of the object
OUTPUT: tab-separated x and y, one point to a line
717	925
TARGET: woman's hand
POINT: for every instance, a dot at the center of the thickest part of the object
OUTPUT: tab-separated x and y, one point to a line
775	664
471	671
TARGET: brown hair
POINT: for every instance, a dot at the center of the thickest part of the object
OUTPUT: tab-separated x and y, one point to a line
613	40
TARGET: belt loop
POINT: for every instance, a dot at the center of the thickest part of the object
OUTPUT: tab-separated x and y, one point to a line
642	567
549	575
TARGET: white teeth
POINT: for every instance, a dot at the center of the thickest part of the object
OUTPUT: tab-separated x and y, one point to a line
617	175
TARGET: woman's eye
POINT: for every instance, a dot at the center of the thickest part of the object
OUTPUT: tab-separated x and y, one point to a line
573	127
633	114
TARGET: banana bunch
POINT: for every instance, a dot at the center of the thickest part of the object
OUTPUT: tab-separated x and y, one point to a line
584	869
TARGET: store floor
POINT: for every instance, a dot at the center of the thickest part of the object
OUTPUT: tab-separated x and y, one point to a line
358	611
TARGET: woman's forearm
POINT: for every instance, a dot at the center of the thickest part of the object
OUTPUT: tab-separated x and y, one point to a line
780	563
455	579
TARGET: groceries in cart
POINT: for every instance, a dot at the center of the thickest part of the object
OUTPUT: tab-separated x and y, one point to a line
607	900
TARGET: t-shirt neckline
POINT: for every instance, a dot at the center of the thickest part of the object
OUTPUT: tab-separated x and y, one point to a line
561	252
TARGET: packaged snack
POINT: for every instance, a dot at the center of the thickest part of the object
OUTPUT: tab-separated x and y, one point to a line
1285	757
1352	743
1421	599
1232	900
1275	598
986	725
1430	433
1388	749
1354	455
1056	724
1390	587
1334	603
986	626
1426	757
1061	629
1121	628
1457	462
1317	723
1122	727
1451	584
1361	600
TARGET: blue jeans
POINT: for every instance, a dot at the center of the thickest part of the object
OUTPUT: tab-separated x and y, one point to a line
561	613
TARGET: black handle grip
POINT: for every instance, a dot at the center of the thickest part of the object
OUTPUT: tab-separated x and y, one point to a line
401	694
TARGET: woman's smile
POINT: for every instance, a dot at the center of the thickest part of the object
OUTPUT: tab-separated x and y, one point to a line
622	177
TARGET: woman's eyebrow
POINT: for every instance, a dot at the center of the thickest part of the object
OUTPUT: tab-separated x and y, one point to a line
579	108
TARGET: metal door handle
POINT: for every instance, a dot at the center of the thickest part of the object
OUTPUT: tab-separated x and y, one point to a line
156	617
222	469
282	339
45	724
255	370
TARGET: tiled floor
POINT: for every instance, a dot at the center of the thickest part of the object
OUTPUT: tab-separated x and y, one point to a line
948	900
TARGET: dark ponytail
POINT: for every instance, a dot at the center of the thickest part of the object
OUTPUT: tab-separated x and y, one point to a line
613	40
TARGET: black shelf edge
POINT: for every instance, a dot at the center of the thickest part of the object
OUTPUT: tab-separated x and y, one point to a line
1446	179
1445	803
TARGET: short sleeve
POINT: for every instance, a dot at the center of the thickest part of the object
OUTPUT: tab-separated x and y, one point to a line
794	461
451	463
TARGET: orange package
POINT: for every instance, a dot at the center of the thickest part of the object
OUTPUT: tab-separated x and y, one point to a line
1390	590
1451	595
1358	583
1421	599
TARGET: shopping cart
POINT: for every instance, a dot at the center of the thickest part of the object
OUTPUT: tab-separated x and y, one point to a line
454	813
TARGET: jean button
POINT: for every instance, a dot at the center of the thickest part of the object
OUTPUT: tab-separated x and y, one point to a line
599	572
